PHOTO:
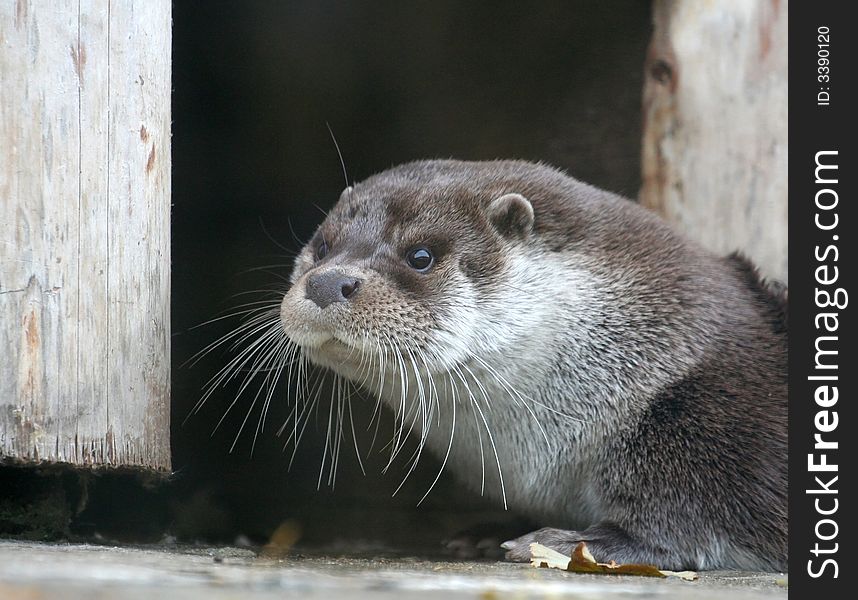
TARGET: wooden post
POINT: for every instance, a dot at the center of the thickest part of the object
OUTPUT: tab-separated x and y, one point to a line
85	231
715	125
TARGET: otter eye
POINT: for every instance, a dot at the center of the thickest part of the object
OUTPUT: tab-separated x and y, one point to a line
322	251
420	259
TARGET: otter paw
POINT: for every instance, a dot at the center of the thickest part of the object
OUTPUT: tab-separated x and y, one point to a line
561	540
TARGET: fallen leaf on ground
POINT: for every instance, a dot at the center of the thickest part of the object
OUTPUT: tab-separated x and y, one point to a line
546	558
282	540
582	561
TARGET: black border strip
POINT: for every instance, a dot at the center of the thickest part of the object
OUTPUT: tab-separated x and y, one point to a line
820	123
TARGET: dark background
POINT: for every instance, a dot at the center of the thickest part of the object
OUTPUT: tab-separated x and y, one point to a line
254	167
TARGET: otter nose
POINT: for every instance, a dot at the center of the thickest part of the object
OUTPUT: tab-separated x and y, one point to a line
331	286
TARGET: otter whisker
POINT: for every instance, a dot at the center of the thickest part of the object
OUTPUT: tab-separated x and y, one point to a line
261	358
332	438
365	373
404	408
292	358
425	405
290	253
517	397
263	314
340	428
415	457
479	435
327	449
494	449
262	350
303	418
340	154
267	269
376	412
256	397
434	406
245	309
455	401
419	405
501	379
514	395
270	383
250	330
400	416
354	434
233	367
491	438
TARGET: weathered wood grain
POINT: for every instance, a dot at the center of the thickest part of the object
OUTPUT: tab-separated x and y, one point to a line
84	231
715	125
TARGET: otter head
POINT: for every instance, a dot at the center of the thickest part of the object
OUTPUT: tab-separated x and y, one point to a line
407	267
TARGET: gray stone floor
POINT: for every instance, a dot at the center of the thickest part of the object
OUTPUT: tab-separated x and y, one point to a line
35	571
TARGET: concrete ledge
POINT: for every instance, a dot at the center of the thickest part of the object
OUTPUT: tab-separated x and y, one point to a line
78	571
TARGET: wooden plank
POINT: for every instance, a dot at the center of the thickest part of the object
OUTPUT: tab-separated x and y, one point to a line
84	231
92	395
138	158
715	125
39	145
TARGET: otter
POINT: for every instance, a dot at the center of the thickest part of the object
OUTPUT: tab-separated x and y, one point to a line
564	350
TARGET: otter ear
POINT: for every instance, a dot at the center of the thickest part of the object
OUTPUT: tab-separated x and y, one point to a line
346	193
512	215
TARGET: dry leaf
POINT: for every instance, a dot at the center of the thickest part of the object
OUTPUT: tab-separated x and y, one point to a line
546	558
686	575
282	540
583	562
